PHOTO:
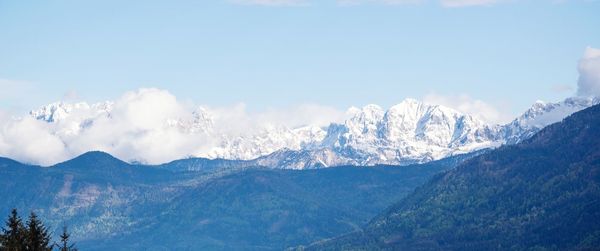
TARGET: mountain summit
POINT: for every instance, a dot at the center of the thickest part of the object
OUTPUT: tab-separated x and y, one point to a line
409	132
540	194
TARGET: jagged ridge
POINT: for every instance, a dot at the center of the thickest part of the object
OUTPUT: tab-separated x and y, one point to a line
410	132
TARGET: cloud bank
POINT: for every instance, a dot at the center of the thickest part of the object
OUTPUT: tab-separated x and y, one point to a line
152	126
589	73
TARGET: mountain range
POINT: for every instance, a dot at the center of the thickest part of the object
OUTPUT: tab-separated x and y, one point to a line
406	133
540	194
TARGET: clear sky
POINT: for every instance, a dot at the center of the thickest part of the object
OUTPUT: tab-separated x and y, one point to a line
269	53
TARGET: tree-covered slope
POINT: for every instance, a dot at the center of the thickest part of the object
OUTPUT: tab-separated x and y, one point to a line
266	209
541	194
110	204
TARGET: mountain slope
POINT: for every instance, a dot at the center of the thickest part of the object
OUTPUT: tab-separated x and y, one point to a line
542	114
542	193
264	209
110	204
94	193
407	133
410	132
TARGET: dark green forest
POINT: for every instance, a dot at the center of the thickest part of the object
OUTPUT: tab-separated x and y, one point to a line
31	235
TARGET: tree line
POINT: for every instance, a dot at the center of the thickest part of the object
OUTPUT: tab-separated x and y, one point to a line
31	235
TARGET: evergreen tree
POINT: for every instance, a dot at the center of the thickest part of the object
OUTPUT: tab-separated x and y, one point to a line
14	235
64	241
38	238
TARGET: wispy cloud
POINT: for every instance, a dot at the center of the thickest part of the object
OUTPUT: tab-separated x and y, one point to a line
467	3
384	2
443	3
271	2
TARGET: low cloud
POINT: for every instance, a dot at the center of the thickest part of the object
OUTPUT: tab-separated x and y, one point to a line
468	105
589	73
153	126
30	140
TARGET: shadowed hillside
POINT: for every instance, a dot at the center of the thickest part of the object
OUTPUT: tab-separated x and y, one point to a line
212	204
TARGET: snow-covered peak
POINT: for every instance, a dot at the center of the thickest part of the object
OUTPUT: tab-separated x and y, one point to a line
408	132
59	111
542	114
56	111
407	104
200	121
366	120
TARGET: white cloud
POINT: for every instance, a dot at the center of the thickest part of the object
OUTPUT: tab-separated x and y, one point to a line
30	140
271	2
468	105
385	2
589	73
467	3
151	125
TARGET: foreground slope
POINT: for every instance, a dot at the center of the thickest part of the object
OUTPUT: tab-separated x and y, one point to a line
266	209
95	193
543	193
203	204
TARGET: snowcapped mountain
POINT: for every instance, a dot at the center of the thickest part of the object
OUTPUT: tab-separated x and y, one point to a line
542	114
73	120
59	111
267	141
409	132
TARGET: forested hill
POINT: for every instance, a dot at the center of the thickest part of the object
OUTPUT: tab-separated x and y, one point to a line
541	194
203	204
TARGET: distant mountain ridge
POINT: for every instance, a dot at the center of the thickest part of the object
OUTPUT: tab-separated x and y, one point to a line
550	179
410	132
540	194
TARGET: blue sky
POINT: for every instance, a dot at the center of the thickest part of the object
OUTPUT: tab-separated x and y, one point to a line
274	53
